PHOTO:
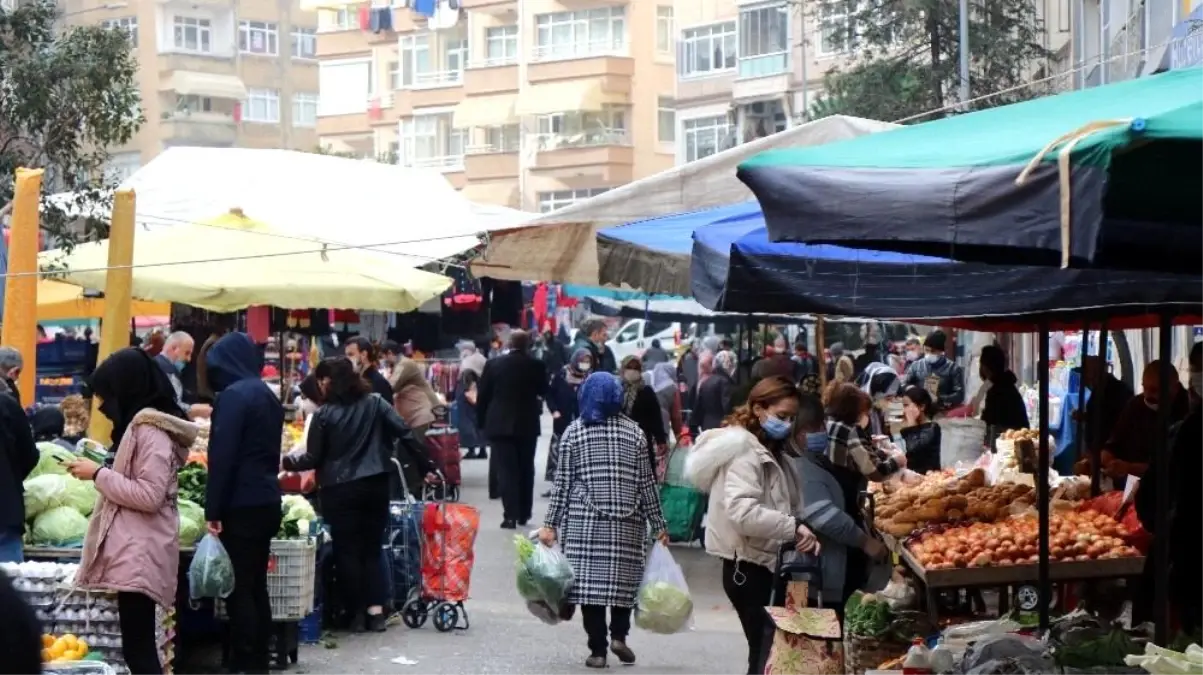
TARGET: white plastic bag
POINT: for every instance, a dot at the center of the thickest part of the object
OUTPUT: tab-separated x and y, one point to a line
211	574
664	604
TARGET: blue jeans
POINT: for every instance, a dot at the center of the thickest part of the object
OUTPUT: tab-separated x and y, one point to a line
11	547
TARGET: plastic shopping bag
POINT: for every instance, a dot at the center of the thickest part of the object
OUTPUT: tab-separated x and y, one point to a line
664	605
543	573
211	574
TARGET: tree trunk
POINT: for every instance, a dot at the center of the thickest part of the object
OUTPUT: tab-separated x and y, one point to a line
933	34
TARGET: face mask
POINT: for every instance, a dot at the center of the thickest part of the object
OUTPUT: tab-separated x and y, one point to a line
863	422
932	358
1152	405
816	441
775	428
354	362
912	356
308	407
778	350
1196	383
584	367
179	365
632	376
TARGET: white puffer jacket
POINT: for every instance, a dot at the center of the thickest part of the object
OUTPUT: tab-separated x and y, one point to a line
753	497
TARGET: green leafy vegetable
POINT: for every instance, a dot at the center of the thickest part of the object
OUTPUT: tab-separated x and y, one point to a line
543	573
80	495
193	478
60	526
211	574
1106	650
866	616
192	522
43	493
663	608
51	457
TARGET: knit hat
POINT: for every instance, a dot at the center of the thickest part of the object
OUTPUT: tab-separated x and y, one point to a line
935	340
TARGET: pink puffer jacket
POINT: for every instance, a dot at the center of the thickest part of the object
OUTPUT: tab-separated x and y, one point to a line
133	540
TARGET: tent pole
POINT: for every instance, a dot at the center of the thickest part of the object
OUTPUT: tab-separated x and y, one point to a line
821	350
1080	423
1161	460
1044	585
1096	453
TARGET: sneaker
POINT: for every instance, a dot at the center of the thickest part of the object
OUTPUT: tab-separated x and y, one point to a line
377	623
484	454
358	624
622	651
595	662
509	525
546	495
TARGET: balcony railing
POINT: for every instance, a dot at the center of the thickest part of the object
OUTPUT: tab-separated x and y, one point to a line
493	62
578	50
436	79
763	65
443	163
584	139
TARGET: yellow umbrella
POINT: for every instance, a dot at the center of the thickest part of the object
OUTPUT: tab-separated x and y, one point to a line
234	262
58	301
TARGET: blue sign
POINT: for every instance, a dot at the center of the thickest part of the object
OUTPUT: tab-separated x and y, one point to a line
1186	43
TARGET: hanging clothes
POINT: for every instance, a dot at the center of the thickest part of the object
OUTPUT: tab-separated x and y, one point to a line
258	323
425	7
373	325
365	18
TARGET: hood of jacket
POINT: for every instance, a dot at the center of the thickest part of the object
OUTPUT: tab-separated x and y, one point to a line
181	432
232	358
713	451
1005	379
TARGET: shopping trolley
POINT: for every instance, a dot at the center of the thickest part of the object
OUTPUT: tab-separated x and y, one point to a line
448	536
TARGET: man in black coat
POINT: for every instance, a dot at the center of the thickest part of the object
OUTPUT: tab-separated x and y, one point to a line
509	404
18	456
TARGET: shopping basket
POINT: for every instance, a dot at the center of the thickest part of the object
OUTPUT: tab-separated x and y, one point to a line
448	540
401	550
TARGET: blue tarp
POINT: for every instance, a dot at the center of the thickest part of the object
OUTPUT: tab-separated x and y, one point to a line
733	267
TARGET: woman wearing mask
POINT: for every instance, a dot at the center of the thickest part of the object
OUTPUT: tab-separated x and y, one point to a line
920	435
753	498
713	402
881	383
830	513
242	496
602	507
132	546
668	395
413	397
1004	407
640	404
562	404
854	460
471	365
350	445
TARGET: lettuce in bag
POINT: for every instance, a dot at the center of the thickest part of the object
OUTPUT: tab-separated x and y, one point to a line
663	605
60	526
544	575
211	574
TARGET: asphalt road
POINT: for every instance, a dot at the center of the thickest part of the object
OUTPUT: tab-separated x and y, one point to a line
504	638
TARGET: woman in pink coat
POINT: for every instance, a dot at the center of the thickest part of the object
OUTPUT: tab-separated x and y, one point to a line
133	545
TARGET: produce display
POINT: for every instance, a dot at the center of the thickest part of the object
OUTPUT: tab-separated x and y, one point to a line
192	522
1073	535
193	478
199	452
1161	661
57	505
296	510
65	648
939	499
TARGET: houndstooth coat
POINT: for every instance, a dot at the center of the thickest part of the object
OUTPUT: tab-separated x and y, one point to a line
602	504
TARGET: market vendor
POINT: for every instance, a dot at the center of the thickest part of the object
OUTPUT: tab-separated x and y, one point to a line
938	374
1129	449
363	356
175	356
1108	398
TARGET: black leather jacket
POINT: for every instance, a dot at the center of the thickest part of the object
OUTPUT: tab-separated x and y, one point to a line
348	442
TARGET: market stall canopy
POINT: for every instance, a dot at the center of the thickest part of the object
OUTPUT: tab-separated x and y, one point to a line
560	246
233	262
58	301
684	310
735	268
1104	176
415	215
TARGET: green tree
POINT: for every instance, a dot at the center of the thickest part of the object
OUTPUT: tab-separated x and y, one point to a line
67	95
906	55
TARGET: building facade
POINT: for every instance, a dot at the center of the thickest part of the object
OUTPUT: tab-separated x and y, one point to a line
531	104
215	73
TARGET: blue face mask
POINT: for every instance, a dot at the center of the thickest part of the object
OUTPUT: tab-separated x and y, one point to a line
179	365
775	428
816	442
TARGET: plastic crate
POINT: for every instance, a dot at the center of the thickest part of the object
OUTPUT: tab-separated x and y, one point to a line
290	574
311	627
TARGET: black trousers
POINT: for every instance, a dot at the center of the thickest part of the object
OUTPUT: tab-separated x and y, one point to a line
357	512
139	645
594	618
247	536
749	587
515	462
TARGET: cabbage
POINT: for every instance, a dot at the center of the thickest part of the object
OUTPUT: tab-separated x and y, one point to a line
44	492
297	508
192	510
50	460
80	495
192	522
60	526
663	608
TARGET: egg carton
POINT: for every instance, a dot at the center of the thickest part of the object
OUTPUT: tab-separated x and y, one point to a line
63	628
42	571
86	614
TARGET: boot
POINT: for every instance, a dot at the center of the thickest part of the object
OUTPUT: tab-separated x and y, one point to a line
595	662
622	651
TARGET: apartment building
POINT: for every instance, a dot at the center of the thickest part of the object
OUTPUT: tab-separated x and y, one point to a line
215	73
1114	40
532	104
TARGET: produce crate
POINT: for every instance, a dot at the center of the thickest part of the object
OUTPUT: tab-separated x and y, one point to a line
290	574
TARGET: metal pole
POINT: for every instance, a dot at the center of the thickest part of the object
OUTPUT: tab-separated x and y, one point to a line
1042	504
964	37
1161	460
1099	422
1080	424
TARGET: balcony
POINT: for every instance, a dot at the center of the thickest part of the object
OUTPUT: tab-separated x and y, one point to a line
487	164
605	155
203	129
342	43
615	71
490	78
444	163
192	83
216	64
762	77
432	89
491	7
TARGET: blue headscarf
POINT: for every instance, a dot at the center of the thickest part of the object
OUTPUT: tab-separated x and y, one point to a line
600	398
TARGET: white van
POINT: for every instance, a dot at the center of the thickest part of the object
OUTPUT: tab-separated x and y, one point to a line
636	335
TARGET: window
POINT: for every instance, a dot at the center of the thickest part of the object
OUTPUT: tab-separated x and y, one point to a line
192	34
764	40
304	110
550	201
346	19
193	104
501	45
666	120
835	26
707	50
574	129
455	58
394	75
664	29
262	105
304	43
504	138
122	165
585	33
258	37
129	24
429	141
704	136
417	64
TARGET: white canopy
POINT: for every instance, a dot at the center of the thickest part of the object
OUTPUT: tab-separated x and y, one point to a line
414	214
561	246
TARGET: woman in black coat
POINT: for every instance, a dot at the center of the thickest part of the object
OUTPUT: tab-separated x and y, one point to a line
714	393
639	403
921	435
563	405
1004	408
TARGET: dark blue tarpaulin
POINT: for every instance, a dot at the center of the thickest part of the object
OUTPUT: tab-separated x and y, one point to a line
735	268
